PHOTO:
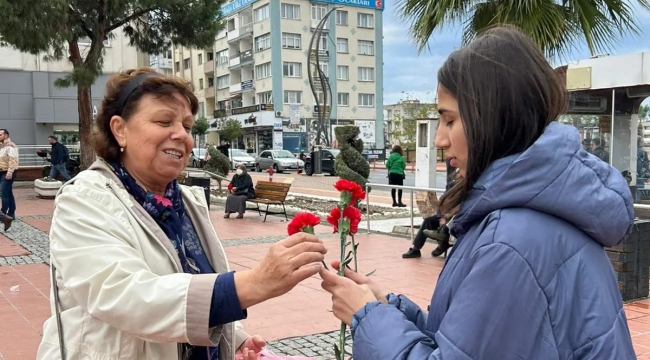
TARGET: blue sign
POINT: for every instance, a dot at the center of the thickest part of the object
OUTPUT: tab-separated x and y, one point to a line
237	5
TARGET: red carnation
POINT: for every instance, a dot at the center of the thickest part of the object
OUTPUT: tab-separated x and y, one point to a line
352	188
229	186
350	213
303	222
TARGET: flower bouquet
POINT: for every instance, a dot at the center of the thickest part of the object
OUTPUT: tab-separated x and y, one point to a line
345	219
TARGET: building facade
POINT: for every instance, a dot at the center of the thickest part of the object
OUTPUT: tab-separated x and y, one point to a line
162	63
397	132
32	108
257	71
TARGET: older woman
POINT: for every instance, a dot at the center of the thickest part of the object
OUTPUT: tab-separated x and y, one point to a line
138	271
241	189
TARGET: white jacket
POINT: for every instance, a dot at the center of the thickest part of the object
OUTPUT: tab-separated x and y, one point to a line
122	292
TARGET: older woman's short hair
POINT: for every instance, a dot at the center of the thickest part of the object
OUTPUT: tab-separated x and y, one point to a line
123	93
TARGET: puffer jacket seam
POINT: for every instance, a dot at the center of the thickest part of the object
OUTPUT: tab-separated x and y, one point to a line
590	341
454	345
530	268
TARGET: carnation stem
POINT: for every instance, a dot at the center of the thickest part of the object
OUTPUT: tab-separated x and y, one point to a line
341	272
354	253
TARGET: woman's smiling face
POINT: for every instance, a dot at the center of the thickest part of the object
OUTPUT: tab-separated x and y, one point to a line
451	132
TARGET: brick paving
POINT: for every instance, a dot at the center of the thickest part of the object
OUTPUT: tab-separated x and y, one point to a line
298	323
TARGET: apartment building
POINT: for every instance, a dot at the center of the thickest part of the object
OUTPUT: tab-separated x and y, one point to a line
396	131
257	71
32	108
162	63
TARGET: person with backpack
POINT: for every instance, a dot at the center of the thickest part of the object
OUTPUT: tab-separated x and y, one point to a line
59	157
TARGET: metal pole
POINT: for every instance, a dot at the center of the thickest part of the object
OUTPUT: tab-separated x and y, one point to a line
367	209
412	236
611	134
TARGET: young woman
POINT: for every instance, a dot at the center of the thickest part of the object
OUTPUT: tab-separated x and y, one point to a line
396	165
528	277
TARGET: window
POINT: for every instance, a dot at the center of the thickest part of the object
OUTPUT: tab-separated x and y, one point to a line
343	99
263	71
342	45
366	47
263	42
318	11
186	63
201	113
322	43
200	59
324	67
201	84
341	17
210	82
222	57
177	66
366	74
292	69
223	82
262	13
342	72
365	20
85	40
210	56
167	54
265	98
319	99
290	11
367	100
290	41
292	97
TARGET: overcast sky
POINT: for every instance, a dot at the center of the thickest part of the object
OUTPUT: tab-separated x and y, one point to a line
409	76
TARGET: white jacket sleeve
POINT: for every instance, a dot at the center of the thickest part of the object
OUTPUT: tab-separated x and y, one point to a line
94	249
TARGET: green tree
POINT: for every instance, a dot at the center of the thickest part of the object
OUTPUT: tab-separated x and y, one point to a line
556	26
199	129
54	27
405	123
218	163
231	130
644	112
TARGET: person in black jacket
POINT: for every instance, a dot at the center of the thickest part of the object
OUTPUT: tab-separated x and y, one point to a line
58	158
433	228
241	188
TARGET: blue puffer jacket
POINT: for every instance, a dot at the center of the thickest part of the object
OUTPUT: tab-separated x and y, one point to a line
528	277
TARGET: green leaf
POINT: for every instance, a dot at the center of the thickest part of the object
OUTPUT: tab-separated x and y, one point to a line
347	261
349	255
337	352
325	265
370	273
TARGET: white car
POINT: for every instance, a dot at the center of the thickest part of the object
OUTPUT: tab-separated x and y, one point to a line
241	157
279	160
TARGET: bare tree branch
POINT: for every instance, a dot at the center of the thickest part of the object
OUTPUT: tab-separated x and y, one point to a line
82	23
128	19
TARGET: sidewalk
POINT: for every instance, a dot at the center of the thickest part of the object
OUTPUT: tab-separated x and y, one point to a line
298	322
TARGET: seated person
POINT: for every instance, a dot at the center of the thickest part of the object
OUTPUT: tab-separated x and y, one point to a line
241	189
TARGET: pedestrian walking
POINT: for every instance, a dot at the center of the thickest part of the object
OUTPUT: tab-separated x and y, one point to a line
395	164
59	157
8	173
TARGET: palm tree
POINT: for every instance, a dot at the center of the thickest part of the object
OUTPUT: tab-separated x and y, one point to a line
557	26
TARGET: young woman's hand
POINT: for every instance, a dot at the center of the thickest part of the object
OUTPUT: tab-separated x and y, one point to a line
363	280
348	297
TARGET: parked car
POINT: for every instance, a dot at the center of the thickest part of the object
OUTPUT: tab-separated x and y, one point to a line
241	157
327	162
197	157
279	160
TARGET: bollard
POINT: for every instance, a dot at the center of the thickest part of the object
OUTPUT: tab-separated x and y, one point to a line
270	171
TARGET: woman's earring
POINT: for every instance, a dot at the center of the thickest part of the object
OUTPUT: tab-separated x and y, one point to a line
121	149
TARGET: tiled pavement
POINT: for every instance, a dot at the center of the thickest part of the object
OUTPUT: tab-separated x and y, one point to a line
297	323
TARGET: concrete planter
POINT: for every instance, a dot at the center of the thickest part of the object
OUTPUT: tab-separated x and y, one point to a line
47	189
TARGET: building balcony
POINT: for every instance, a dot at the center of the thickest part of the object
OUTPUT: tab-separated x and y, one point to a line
209	92
244	86
208	67
244	58
220	113
314	24
251	109
240	32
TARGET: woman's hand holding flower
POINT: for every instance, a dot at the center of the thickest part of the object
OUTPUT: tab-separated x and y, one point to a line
348	297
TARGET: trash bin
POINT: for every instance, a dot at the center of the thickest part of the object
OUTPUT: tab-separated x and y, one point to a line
201	180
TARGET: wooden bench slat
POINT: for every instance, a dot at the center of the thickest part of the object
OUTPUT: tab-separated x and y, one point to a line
270	193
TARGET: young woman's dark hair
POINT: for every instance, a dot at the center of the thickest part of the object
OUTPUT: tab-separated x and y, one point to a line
507	94
398	149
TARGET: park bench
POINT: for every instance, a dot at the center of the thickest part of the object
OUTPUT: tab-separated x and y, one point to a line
270	193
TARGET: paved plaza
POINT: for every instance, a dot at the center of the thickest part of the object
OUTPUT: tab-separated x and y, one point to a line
298	323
